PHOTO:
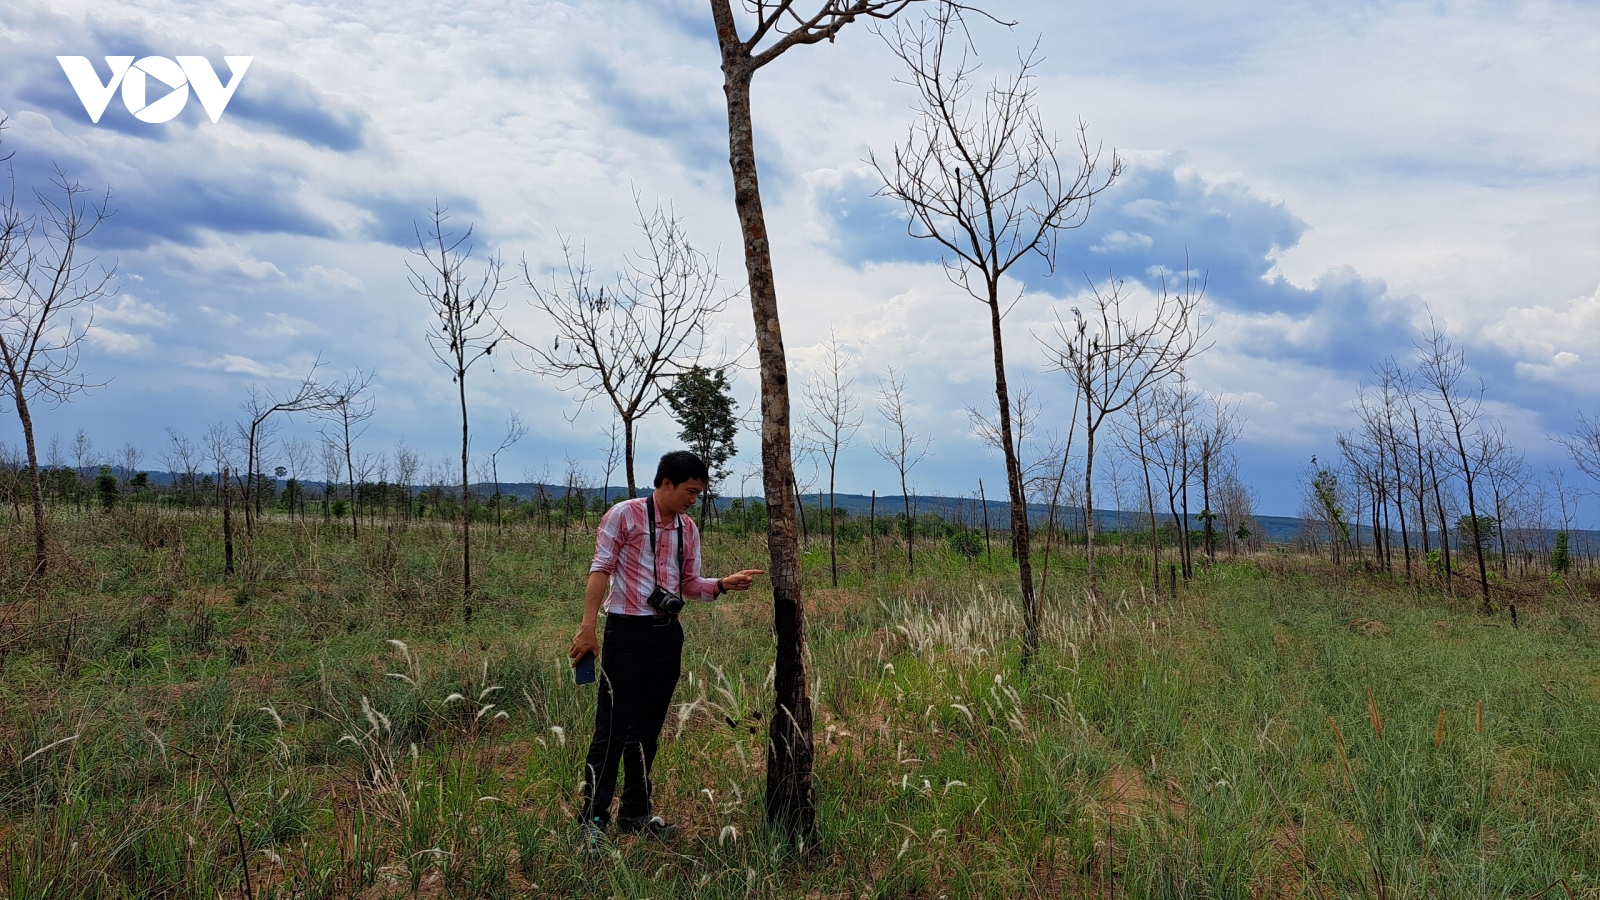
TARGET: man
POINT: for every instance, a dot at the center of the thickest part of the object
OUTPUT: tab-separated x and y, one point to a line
640	665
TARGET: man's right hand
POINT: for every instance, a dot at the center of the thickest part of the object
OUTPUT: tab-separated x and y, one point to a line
583	643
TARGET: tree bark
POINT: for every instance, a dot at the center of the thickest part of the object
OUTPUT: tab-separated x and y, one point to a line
1088	510
466	513
791	805
1019	500
627	457
41	557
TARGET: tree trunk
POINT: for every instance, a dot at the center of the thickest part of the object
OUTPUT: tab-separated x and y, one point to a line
1019	500
627	457
41	557
911	531
1150	503
872	534
227	523
466	517
350	469
1088	505
988	551
833	523
791	803
1444	528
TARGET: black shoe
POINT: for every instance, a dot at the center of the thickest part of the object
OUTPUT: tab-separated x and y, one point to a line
654	826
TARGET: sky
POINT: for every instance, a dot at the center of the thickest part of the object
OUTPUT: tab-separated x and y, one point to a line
1338	172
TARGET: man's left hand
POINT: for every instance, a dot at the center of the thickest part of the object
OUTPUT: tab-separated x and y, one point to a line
741	581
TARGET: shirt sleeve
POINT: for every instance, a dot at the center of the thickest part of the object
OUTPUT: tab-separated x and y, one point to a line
693	585
608	541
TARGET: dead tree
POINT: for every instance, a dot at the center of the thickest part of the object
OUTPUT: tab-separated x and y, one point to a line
463	330
980	177
47	297
1173	446
257	426
1113	358
1584	445
406	463
1136	438
515	431
625	342
298	454
1457	411
348	407
183	457
900	447
772	28
830	425
1220	433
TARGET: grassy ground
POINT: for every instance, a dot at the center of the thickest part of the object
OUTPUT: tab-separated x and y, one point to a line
1279	731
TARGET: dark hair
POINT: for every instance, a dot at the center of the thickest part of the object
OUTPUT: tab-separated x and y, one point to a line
680	466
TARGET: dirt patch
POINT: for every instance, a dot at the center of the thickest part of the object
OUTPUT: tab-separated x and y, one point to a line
1369	627
1126	794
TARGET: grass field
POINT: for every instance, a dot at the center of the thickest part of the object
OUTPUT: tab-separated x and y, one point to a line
1280	730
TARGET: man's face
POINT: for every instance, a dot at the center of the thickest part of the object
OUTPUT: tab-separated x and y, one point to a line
675	499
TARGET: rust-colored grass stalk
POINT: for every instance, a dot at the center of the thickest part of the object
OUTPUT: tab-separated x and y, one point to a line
1373	714
1480	717
1438	733
1338	739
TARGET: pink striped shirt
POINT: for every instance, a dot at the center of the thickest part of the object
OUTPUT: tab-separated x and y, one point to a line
622	551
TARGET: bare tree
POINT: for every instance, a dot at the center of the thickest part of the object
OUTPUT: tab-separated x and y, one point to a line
1112	359
515	431
775	27
406	463
298	454
333	468
131	457
980	176
47	297
347	408
1584	445
183	458
613	454
258	426
1457	411
832	418
626	342
463	330
1173	447
1136	439
1221	431
83	456
900	447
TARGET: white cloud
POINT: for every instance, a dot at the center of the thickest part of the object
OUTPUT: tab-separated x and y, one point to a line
1558	344
334	276
128	310
1122	240
118	343
238	365
281	325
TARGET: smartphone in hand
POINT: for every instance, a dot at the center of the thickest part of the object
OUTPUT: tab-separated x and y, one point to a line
583	672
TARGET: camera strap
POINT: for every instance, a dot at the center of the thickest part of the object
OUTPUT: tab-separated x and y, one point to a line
655	571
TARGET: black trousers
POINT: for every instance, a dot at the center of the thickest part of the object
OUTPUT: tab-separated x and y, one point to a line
639	667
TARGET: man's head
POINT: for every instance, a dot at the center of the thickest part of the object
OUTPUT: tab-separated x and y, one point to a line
680	478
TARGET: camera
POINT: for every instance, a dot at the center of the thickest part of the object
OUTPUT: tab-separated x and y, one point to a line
665	602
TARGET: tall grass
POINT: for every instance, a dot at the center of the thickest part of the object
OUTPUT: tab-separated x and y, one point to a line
1276	731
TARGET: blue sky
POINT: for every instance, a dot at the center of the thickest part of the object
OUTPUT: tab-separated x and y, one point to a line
1338	171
